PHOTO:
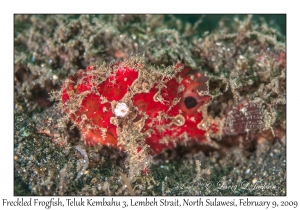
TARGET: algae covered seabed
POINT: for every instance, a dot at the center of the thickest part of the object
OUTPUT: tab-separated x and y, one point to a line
244	57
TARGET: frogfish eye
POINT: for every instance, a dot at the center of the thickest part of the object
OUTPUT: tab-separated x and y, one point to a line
190	102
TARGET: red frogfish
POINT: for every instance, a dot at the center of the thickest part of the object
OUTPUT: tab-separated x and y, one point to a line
132	106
